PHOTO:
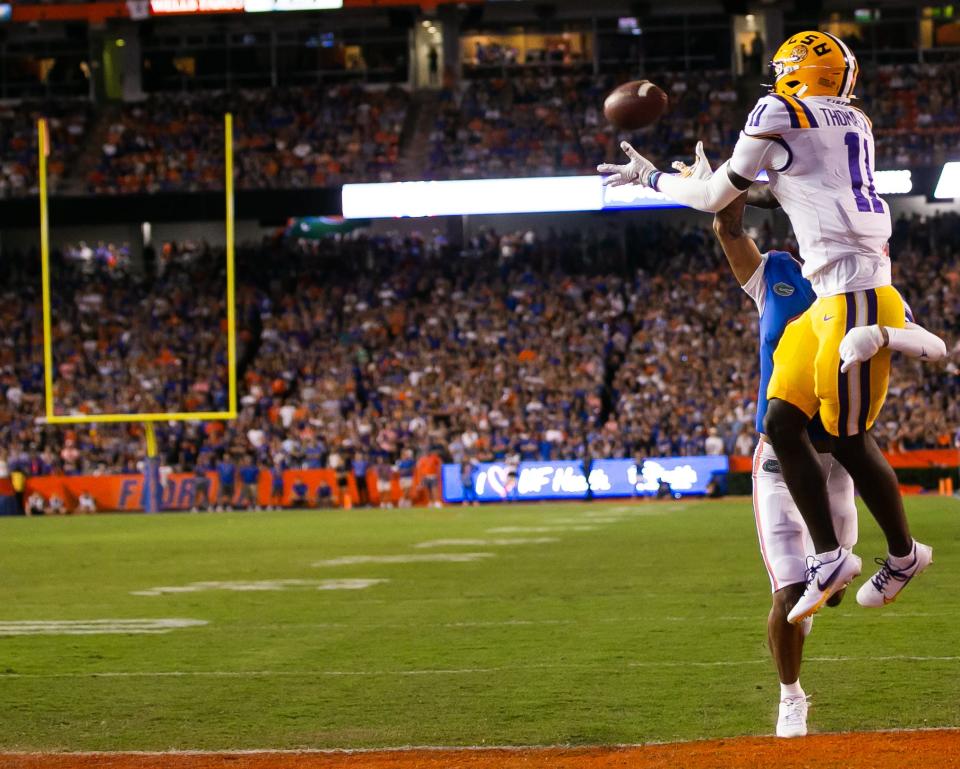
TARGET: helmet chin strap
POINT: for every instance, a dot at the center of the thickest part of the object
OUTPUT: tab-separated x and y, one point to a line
802	90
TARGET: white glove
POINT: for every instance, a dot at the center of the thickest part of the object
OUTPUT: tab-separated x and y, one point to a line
701	166
860	344
637	171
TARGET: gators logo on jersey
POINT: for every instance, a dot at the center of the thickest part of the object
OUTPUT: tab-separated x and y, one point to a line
783	289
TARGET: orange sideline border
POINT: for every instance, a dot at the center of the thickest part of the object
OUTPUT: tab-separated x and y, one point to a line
936	749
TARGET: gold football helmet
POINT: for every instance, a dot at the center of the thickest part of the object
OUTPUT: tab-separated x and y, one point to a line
814	64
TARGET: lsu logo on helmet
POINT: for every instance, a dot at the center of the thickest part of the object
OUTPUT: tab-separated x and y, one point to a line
814	64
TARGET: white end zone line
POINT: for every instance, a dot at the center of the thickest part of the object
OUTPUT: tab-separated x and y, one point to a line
458	671
437	748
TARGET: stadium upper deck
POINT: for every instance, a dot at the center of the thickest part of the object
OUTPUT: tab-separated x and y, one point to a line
476	90
539	123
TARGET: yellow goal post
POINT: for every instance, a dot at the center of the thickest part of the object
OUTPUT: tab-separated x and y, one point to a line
50	417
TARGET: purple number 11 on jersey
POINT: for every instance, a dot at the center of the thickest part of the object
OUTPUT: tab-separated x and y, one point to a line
852	140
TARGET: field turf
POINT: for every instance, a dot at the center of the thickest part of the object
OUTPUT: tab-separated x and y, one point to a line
636	622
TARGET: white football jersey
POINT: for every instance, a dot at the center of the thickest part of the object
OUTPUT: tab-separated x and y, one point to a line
823	178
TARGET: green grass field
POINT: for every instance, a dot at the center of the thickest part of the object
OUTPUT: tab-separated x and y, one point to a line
638	622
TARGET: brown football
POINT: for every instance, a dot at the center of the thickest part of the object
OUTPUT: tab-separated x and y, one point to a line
634	105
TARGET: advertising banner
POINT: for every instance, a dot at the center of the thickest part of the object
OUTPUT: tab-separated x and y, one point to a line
608	478
181	491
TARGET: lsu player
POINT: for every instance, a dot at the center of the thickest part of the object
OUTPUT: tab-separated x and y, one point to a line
817	149
775	283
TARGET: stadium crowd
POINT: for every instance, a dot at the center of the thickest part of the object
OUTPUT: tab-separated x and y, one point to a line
285	138
542	124
378	349
538	123
67	128
915	113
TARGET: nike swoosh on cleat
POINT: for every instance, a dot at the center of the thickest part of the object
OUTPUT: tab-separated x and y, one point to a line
824	585
829	317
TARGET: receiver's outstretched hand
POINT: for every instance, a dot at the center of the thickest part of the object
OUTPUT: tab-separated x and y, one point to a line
636	171
701	166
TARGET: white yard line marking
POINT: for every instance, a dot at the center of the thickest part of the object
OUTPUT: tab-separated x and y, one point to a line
537	529
603	515
262	585
487	542
647	508
511	623
366	626
351	560
96	626
458	671
273	673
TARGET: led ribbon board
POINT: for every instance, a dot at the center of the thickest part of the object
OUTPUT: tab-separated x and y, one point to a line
530	195
169	7
268	6
539	194
181	7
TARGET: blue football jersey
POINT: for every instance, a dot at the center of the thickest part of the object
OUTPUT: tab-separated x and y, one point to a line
782	294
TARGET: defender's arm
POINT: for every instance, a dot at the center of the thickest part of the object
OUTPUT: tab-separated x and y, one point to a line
740	249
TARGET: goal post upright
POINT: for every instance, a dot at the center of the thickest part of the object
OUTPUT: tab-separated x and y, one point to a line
43	149
50	415
231	278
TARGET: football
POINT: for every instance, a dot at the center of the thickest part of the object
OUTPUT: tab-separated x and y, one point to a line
634	105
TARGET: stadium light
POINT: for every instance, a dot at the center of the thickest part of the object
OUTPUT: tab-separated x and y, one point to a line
949	184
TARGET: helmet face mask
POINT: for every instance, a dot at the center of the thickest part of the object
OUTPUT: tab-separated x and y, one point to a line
814	64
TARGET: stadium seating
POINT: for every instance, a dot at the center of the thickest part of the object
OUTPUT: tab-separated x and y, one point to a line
532	124
915	113
68	123
548	124
305	137
562	346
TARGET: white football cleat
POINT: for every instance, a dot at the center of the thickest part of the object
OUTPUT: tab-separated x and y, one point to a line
827	573
884	586
792	721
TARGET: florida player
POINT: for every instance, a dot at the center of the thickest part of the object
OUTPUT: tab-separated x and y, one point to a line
775	283
817	149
